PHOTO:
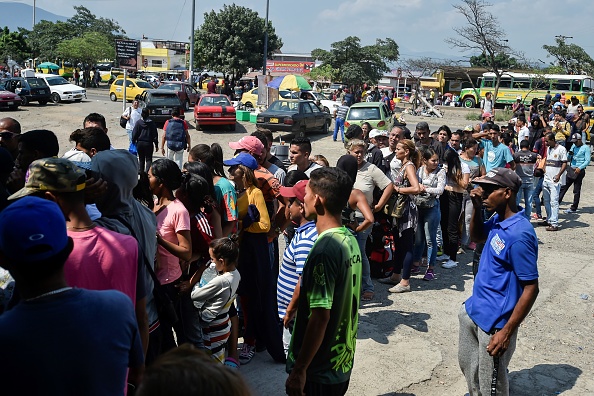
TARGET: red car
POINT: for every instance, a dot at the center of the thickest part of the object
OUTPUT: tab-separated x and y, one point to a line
13	101
214	109
187	94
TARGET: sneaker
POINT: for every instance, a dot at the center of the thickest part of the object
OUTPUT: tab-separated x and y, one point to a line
415	270
399	289
429	275
448	264
536	216
472	246
443	257
552	228
247	353
460	250
388	281
570	211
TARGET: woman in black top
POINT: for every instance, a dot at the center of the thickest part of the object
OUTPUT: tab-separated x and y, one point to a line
144	136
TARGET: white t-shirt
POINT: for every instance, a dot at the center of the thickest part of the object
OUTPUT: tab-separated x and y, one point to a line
370	176
465	171
556	156
523	133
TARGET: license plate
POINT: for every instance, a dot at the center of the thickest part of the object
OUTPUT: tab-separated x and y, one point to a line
41	91
274	120
10	103
165	111
216	114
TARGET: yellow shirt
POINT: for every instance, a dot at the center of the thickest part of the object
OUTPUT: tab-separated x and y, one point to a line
253	195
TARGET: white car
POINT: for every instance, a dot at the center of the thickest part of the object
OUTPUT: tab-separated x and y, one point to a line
328	105
63	90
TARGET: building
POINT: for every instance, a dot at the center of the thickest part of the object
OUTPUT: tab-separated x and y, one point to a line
161	56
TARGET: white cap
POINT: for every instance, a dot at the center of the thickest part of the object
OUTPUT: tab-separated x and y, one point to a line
375	133
519	97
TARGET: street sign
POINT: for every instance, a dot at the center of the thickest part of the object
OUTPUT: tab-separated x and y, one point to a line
127	53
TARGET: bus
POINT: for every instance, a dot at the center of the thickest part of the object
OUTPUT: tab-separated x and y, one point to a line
529	86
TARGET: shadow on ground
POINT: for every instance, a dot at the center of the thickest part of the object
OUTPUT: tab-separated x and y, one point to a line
543	379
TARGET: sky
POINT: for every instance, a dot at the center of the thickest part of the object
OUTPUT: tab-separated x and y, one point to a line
419	27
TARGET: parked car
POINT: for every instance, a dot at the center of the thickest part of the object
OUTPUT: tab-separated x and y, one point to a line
134	87
61	89
30	89
375	113
333	87
186	93
296	116
214	109
160	104
9	100
250	98
328	105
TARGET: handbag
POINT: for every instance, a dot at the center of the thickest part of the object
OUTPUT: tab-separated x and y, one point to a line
124	121
426	200
396	205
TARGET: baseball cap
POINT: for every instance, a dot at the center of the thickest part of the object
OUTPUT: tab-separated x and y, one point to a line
52	174
519	97
576	136
422	126
487	114
297	191
375	133
502	177
249	143
32	229
468	128
244	159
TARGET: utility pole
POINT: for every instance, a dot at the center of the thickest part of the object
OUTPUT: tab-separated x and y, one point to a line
265	39
190	68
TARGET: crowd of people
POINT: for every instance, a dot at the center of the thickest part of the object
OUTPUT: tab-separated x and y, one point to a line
194	250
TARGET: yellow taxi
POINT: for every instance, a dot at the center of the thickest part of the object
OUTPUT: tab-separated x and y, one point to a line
134	87
250	98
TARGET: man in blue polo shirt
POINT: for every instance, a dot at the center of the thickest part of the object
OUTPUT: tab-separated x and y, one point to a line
505	286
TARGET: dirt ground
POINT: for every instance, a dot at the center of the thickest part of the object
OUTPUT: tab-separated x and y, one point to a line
407	343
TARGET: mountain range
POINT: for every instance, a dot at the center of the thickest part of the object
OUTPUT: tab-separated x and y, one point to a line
15	15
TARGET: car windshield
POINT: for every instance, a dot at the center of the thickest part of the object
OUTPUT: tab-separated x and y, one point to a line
215	101
36	82
320	96
170	87
284	106
53	81
164	100
144	84
364	113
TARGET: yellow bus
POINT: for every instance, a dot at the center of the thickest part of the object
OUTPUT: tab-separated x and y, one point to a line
528	86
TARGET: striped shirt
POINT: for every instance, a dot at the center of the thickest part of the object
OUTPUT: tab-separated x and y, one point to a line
342	111
292	265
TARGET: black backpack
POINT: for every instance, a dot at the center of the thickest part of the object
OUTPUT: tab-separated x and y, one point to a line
175	135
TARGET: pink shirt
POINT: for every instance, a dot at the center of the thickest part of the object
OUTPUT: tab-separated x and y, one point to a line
171	220
103	260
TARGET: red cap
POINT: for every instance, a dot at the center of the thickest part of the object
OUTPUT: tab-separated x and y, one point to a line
249	143
297	191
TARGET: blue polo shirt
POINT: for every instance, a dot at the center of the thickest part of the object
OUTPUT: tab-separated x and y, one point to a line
509	257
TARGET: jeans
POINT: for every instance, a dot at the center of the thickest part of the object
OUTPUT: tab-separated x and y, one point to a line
366	283
576	180
190	320
550	195
403	249
536	195
467	207
338	123
145	155
526	191
451	207
129	132
427	234
176	156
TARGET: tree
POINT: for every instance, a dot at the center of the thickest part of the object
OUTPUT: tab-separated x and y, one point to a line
232	40
572	58
88	49
84	21
13	46
324	72
502	61
482	34
357	64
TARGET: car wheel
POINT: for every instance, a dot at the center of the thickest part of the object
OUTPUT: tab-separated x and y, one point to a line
469	103
187	105
326	127
24	101
113	97
249	105
301	133
327	110
43	102
56	97
197	125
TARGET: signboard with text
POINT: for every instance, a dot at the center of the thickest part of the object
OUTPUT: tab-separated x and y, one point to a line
127	53
289	67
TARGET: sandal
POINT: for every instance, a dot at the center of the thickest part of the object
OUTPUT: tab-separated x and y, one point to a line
367	296
232	363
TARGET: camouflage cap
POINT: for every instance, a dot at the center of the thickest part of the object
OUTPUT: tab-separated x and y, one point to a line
52	174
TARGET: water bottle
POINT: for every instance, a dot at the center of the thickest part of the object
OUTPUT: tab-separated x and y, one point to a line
209	273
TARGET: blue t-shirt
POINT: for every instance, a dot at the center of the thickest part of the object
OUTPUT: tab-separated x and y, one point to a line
495	157
509	257
79	342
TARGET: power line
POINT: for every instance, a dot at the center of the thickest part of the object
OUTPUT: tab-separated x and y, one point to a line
178	18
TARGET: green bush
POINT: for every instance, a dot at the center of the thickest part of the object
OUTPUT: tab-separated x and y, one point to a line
500	116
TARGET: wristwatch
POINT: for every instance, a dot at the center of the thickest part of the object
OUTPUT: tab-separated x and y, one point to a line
278	230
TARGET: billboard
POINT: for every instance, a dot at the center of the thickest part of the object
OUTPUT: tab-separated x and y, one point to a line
127	53
289	67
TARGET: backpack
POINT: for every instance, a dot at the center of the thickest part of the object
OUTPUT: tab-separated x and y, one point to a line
175	135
